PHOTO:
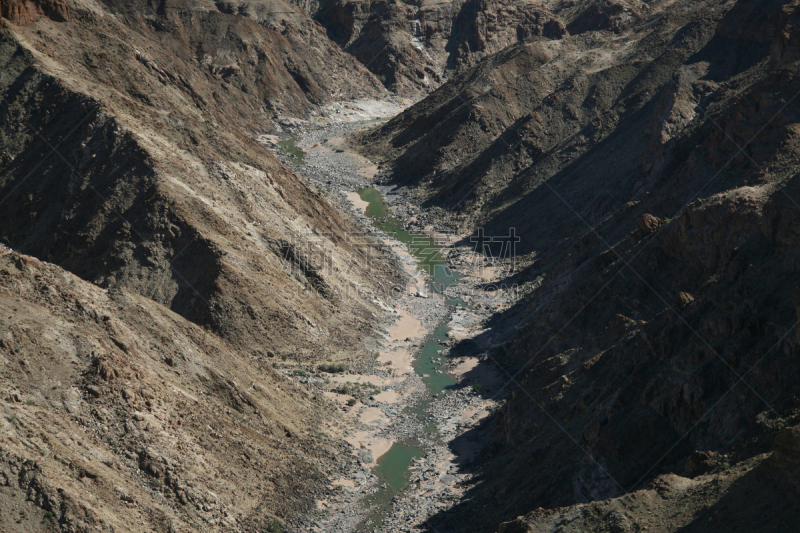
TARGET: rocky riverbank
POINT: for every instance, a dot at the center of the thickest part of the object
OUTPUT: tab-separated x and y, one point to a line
378	394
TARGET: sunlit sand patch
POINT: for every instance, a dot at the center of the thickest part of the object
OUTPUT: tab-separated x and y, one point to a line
375	381
368	172
358	203
369	415
388	396
362	438
406	327
400	359
377	445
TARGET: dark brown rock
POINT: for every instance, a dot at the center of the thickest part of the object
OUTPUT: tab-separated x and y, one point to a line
648	223
787	448
701	462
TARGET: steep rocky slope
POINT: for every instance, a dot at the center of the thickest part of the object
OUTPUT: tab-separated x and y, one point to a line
120	415
719	501
170	259
128	157
485	139
651	174
415	46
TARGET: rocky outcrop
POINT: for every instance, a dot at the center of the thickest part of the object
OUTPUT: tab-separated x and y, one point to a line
414	48
613	15
785	46
787	448
26	11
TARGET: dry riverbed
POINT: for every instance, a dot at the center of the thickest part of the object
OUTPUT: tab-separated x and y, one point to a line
373	395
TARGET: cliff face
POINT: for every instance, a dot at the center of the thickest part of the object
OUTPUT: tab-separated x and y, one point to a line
651	173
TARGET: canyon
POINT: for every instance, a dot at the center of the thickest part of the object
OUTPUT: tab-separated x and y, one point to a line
335	265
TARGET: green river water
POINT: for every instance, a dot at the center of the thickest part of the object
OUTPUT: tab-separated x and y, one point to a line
393	467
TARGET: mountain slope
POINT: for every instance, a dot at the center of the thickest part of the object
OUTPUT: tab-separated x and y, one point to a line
415	46
651	175
718	501
129	158
168	259
540	108
121	415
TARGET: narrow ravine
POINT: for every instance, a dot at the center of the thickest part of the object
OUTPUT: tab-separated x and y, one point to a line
415	466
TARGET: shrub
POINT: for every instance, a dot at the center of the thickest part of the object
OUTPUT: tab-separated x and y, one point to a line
351	402
275	527
476	388
332	368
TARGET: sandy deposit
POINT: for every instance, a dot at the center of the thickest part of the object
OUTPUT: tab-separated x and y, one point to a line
406	332
368	172
358	204
388	396
372	379
363	439
360	416
482	374
407	327
371	415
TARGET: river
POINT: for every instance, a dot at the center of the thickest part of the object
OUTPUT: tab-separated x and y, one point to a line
421	470
392	469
